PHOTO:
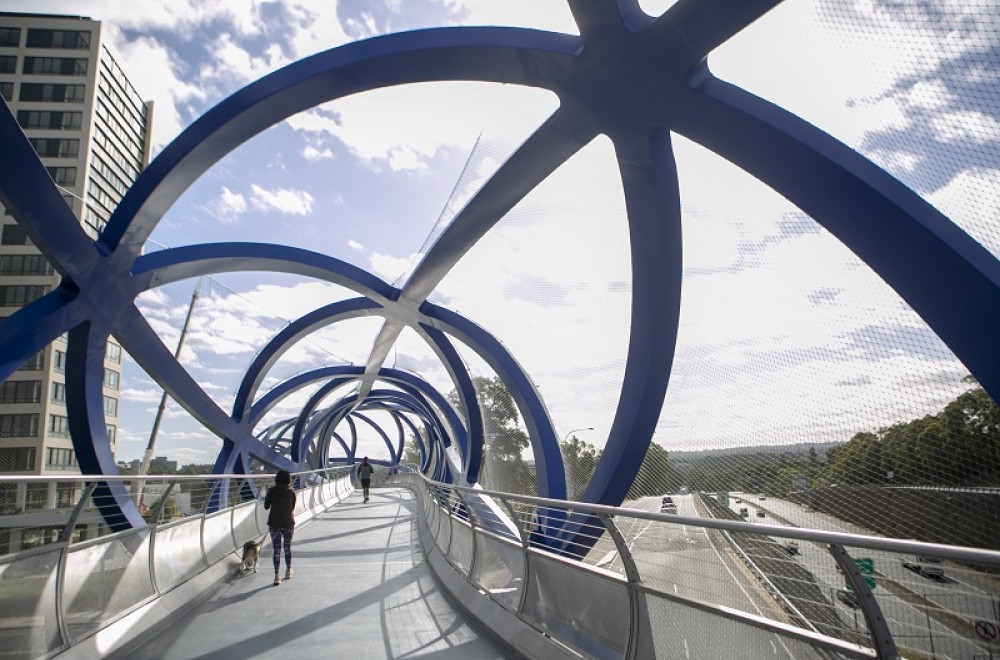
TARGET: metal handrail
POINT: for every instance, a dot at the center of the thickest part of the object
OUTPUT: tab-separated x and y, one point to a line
882	643
902	546
64	546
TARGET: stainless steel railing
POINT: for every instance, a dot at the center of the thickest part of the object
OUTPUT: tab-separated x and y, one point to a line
65	574
632	582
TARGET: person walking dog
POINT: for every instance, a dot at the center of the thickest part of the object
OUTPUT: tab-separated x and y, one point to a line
280	501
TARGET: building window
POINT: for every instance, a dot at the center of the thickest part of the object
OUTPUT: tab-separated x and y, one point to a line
54	66
110	406
52	92
113	353
18	295
34	497
55	120
7	91
64	176
25	264
8	499
20	391
112	379
59	361
14	235
61	459
10	36
56	148
59	426
59	392
76	39
66	492
17	459
112	433
34	363
8	63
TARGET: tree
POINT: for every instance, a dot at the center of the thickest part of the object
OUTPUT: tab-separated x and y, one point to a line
411	452
169	509
656	474
504	468
580	459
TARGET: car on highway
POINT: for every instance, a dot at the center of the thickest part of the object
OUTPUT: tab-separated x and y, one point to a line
792	547
667	505
744	512
761	514
929	567
848	598
762	498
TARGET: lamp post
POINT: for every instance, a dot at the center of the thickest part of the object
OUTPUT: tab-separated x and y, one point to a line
571	473
583	428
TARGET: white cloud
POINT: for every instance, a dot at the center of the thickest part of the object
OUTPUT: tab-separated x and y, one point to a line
292	202
967	126
158	77
354	245
228	206
403	127
311	153
232	61
389	268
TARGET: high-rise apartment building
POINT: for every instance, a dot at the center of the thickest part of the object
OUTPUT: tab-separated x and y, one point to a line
92	131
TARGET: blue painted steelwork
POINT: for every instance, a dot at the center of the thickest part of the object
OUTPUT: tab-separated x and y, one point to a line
631	77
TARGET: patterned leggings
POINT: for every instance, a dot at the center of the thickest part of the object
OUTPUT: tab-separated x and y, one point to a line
277	534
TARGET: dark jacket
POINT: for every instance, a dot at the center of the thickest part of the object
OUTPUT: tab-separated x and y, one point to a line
281	501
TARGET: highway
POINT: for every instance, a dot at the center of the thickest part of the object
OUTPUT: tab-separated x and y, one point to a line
692	562
934	616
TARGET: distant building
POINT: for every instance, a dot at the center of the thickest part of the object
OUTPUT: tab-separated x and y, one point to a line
92	132
162	462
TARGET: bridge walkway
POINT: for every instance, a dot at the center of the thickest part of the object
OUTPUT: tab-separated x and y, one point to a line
361	589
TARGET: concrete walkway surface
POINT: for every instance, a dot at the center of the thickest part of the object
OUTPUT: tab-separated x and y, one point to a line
361	589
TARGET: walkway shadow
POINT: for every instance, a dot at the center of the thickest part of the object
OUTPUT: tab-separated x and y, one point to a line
272	640
353	532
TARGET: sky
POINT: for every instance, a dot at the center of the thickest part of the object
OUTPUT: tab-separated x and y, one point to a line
785	335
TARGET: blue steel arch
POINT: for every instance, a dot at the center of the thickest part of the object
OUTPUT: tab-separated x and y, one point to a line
631	77
413	395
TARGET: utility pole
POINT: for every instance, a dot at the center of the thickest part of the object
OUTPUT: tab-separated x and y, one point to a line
148	456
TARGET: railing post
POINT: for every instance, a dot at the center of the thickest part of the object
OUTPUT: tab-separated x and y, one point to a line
67	536
472	526
525	572
885	646
154	525
633	577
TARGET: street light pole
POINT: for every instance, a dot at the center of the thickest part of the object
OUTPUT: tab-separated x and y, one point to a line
584	428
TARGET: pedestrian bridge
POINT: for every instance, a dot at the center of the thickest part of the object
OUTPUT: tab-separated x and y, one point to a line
845	294
432	570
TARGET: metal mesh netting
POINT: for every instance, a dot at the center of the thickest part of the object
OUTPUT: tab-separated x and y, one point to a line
799	373
911	86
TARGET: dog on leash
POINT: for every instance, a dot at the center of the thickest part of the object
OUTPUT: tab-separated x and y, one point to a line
251	554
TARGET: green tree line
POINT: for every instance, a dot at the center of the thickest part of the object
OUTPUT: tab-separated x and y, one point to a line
958	447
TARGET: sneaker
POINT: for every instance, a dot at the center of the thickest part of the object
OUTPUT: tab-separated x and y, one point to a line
288	574
277	579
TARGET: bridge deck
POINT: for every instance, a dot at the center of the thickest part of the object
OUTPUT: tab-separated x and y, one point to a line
361	589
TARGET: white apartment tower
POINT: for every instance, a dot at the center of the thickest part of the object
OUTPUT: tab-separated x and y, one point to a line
92	131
